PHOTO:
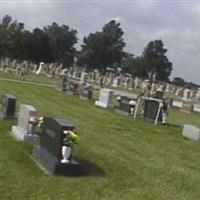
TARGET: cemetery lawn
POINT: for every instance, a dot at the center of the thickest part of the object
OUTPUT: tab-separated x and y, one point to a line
124	159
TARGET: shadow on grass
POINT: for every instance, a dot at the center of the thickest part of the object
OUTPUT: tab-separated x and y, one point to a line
90	169
85	168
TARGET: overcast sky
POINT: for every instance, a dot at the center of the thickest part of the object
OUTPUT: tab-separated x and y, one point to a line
177	23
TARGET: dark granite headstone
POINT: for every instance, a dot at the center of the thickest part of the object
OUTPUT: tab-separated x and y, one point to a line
126	106
48	152
151	107
8	106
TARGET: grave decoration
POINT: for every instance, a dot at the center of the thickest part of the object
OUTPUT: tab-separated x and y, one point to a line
8	106
55	149
27	122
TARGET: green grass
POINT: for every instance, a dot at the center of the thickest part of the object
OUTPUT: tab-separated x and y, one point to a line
127	159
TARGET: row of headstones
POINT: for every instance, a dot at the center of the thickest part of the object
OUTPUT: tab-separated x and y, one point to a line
152	111
110	79
49	150
81	89
24	67
152	107
186	106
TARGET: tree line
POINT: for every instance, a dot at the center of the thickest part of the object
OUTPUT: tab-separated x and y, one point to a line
99	50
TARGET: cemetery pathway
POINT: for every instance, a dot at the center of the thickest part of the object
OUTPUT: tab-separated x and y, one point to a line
27	82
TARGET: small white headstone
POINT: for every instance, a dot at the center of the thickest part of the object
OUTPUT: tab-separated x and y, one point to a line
191	132
40	68
177	104
196	108
105	98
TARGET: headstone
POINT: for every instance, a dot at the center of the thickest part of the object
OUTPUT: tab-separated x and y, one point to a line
196	108
49	152
177	104
197	95
8	106
73	89
126	106
86	93
186	108
115	82
136	83
62	83
40	68
191	132
105	98
167	89
84	76
25	130
151	110
186	95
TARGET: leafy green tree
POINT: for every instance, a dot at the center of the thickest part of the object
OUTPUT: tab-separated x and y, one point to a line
156	62
40	48
134	66
103	48
178	81
62	40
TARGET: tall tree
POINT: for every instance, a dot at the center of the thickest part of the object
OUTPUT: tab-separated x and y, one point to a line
134	66
103	48
41	50
62	41
156	62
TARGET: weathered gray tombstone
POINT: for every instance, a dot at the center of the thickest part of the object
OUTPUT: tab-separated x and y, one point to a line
197	95
25	130
62	83
8	106
105	98
191	132
49	151
73	89
84	77
86	93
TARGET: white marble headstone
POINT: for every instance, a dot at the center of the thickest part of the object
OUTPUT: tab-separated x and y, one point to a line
177	104
191	132
105	98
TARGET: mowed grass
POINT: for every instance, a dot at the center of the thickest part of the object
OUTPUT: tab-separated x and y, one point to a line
125	158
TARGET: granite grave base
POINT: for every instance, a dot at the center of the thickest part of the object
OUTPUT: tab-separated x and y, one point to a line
55	167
